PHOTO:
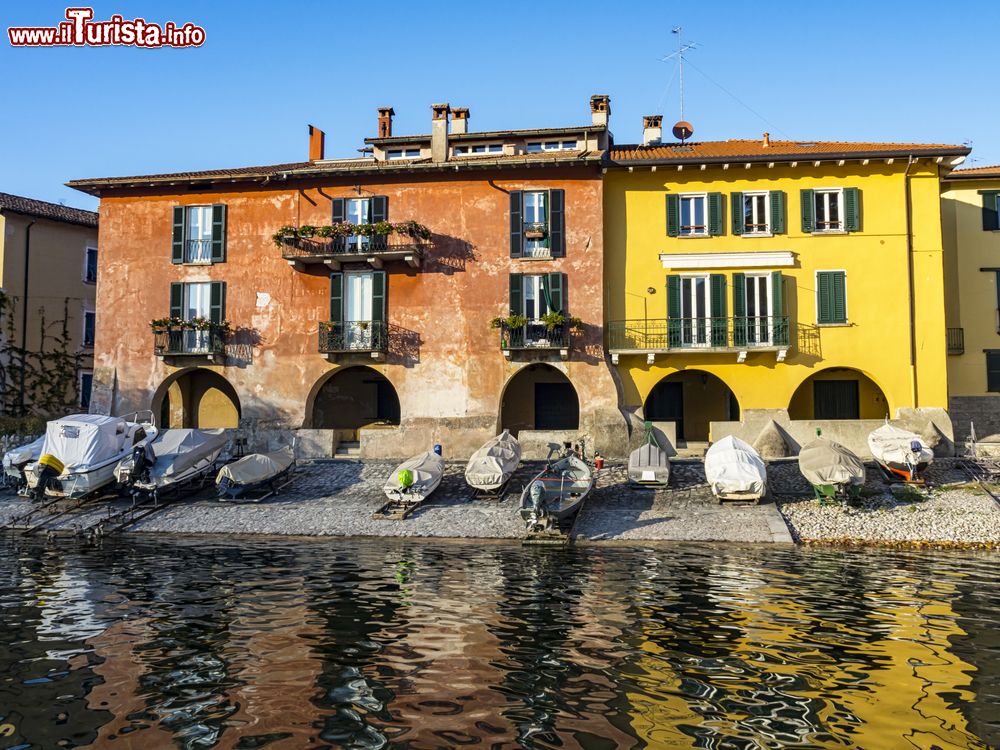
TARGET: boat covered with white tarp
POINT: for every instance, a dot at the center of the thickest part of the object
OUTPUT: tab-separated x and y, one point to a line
902	454
831	469
649	464
492	466
415	479
735	471
173	460
244	477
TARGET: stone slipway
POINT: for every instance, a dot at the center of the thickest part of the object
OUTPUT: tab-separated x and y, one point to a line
337	498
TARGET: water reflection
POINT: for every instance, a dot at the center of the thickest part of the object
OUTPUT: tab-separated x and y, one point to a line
400	644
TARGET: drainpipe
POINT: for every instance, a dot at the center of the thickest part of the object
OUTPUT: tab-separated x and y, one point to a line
909	269
24	316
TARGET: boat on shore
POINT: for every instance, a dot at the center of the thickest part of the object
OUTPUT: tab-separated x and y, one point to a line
414	479
16	460
649	464
175	460
491	467
902	455
735	471
833	471
256	476
556	493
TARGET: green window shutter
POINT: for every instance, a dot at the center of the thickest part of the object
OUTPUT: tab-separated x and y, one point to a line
736	212
336	297
739	309
779	326
556	286
777	198
379	208
218	233
176	300
716	215
217	302
516	294
339	216
557	223
831	302
991	218
852	209
673	215
840	296
379	287
993	371
177	251
717	283
674	322
516	224
808	204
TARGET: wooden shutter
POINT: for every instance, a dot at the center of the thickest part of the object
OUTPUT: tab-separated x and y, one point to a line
777	200
840	296
993	371
991	219
831	294
336	297
716	214
673	310
177	250
779	326
176	300
852	209
556	284
557	223
736	211
808	205
673	215
379	208
516	224
339	211
717	283
739	309
516	293
217	302
218	233
379	288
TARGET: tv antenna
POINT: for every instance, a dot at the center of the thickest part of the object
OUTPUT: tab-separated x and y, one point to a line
682	47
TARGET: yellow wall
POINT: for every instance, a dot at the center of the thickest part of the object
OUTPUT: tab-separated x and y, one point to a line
876	340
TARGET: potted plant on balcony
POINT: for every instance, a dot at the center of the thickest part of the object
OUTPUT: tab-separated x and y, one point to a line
534	231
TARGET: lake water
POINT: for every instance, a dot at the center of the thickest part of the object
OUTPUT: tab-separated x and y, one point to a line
367	644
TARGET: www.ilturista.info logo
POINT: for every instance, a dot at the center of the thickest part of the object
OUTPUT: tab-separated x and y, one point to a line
79	30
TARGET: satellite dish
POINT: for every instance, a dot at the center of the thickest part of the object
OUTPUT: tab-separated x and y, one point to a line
683	130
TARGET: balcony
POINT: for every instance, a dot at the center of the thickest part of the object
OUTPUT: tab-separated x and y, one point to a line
699	336
535	337
209	343
956	340
354	337
375	244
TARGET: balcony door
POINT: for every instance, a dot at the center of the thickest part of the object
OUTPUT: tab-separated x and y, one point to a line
696	304
197	304
758	298
358	310
358	212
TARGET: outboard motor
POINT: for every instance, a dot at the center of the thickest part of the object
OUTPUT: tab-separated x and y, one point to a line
537	494
49	467
140	466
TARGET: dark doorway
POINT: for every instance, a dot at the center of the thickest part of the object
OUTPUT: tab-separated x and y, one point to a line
353	398
387	402
835	399
666	404
556	407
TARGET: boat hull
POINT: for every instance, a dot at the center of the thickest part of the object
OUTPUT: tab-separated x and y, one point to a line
903	472
562	488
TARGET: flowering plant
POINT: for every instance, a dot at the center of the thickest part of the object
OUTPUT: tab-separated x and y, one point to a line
345	229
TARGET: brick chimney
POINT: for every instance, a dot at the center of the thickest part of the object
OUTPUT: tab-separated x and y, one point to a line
317	143
439	131
600	109
385	122
767	140
652	129
460	120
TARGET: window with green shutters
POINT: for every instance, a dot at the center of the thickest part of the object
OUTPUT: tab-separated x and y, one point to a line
831	297
991	210
537	223
833	210
198	234
695	215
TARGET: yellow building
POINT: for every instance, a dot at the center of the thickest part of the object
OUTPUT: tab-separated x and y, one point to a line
969	213
751	280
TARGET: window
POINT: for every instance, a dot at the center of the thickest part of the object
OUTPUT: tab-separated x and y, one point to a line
831	297
371	210
829	210
86	386
834	210
199	300
536	221
692	216
991	210
758	309
358	212
538	147
90	265
756	213
534	295
89	320
535	298
199	234
486	148
993	370
358	311
404	153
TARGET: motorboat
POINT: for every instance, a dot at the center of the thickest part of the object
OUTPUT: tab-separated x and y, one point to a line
255	476
80	452
175	460
831	469
415	479
649	464
492	466
556	493
735	471
17	459
902	455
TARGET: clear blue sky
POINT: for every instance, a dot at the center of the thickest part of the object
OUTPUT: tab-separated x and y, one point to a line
914	72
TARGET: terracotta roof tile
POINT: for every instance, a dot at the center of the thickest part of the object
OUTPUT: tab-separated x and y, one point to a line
46	210
971	173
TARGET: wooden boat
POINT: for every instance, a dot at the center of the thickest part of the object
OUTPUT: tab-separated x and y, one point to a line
735	471
649	464
255	477
175	460
492	466
901	454
556	493
415	479
831	469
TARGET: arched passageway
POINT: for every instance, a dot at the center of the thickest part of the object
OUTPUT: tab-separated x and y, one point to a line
197	398
539	397
838	393
352	398
691	399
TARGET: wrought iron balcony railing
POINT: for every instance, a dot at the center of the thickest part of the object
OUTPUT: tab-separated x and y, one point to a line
956	341
533	336
390	246
353	336
699	334
198	251
185	342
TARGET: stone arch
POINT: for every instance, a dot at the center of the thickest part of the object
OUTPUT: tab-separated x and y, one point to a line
539	397
838	393
349	398
196	397
692	399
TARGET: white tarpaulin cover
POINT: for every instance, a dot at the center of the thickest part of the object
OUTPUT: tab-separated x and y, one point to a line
427	469
492	465
892	445
257	467
176	451
826	462
732	466
85	440
24	453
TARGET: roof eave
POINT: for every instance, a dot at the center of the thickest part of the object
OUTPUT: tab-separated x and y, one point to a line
399	139
766	158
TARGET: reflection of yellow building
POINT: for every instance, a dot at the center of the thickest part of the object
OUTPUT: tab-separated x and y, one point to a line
799	278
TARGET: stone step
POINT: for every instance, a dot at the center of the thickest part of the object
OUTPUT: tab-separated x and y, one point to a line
691	449
348	449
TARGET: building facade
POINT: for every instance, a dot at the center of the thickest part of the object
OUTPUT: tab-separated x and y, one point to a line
434	290
48	319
